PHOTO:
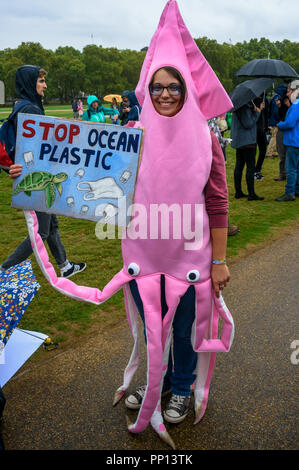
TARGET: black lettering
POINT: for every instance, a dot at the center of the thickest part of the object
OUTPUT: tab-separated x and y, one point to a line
93	137
52	159
74	154
100	139
133	142
98	158
111	140
64	155
106	167
88	153
122	141
44	150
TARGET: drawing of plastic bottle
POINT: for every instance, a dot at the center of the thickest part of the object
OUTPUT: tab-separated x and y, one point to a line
80	172
125	176
28	158
70	201
84	210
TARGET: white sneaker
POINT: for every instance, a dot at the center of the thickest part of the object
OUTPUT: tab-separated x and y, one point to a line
75	269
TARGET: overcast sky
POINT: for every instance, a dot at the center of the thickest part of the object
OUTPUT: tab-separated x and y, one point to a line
130	24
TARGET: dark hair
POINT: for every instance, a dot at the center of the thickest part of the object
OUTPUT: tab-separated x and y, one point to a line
176	74
42	73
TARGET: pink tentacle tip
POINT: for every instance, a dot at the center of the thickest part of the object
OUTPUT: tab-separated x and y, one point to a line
118	396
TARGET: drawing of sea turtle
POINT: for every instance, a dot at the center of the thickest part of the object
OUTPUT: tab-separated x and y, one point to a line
42	181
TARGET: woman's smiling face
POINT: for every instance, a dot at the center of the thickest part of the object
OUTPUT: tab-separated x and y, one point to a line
168	103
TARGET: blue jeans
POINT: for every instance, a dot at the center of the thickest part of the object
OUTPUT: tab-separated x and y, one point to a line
292	169
179	376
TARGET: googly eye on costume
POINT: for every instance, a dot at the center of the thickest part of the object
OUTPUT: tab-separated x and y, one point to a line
133	269
193	276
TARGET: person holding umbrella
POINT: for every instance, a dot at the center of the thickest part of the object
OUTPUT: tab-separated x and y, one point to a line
290	128
244	132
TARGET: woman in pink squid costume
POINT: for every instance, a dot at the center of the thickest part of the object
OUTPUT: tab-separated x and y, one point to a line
175	169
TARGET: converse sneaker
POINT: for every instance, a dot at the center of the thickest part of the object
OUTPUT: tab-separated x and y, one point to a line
177	409
75	269
134	400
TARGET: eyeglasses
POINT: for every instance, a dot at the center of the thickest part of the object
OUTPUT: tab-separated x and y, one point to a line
174	89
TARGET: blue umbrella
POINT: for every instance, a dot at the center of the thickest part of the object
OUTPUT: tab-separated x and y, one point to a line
18	287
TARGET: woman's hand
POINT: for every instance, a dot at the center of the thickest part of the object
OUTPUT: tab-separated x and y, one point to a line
15	170
220	277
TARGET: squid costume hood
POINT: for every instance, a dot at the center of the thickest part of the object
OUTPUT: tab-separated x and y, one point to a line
174	169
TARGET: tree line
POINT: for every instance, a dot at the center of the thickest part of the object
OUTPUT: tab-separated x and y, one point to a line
98	70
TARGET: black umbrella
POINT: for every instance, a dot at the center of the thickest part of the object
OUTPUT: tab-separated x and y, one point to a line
267	68
249	90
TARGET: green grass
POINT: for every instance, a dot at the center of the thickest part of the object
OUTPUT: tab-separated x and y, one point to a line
58	110
66	320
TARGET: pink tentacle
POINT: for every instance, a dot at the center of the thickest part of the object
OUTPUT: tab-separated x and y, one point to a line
149	289
207	348
205	299
132	316
65	286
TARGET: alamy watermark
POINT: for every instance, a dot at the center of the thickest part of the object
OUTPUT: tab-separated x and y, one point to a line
156	221
295	353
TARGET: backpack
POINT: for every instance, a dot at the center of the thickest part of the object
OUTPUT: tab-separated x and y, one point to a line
8	137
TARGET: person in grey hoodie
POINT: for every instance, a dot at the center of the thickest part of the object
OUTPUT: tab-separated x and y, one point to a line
244	135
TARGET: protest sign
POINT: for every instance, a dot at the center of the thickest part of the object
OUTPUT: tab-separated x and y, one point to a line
76	168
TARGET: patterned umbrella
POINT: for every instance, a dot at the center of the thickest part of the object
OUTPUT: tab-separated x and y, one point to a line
18	286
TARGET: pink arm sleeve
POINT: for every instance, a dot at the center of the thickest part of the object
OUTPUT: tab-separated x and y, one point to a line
216	192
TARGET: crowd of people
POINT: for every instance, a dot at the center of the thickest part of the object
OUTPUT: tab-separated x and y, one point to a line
128	110
272	128
256	132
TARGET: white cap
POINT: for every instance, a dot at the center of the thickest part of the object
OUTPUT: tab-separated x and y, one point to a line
294	85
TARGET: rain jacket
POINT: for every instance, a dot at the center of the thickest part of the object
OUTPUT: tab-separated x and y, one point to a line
290	126
97	115
274	114
243	128
26	78
135	110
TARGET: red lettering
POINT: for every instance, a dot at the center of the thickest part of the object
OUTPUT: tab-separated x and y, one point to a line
27	128
74	130
58	137
47	126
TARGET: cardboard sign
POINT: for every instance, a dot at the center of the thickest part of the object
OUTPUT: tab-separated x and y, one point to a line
79	169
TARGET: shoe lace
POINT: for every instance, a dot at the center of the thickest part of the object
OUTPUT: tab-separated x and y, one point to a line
140	390
176	401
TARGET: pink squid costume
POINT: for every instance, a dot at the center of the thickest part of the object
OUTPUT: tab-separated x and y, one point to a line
174	170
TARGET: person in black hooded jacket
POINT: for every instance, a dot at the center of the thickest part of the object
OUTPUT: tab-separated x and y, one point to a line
30	86
133	108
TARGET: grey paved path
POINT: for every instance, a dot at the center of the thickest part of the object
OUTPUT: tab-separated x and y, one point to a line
65	402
